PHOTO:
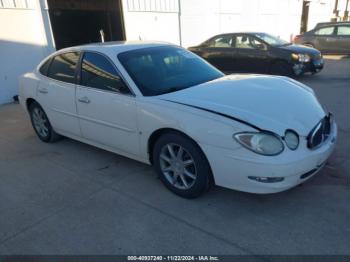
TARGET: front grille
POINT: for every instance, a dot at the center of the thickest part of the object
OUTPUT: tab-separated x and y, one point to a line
317	57
320	133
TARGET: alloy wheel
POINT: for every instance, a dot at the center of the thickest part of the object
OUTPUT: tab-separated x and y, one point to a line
178	166
40	122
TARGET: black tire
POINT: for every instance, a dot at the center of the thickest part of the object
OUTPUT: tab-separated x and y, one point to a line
201	166
48	137
281	68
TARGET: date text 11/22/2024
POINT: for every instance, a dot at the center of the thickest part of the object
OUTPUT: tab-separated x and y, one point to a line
173	258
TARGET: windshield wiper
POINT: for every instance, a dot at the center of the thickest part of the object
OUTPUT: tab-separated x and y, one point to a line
171	90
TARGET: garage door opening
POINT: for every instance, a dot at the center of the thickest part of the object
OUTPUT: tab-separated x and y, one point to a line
77	22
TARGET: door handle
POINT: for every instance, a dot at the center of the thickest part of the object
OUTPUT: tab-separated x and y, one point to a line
43	90
84	100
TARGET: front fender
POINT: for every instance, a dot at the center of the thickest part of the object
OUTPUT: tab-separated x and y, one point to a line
203	127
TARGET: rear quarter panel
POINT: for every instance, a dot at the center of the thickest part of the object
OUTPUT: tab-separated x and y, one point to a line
27	88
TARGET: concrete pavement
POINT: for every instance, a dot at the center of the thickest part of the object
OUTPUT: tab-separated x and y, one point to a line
71	198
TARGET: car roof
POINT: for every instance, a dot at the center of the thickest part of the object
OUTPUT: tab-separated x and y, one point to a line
234	33
116	47
332	23
237	33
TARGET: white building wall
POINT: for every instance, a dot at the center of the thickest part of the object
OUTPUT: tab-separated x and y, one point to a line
319	11
22	42
151	20
322	11
201	19
26	35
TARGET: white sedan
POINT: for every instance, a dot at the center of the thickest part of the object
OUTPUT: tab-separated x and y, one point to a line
162	105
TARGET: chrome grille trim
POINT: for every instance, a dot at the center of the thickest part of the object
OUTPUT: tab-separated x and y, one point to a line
320	133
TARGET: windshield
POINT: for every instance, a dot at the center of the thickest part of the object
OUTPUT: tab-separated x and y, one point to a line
165	69
271	40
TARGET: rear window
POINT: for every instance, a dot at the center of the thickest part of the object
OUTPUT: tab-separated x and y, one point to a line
63	67
221	41
45	67
343	30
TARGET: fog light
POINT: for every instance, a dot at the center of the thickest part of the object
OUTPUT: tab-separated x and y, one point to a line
292	139
266	179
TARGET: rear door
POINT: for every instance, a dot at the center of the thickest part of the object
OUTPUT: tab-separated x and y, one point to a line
325	39
343	39
219	52
106	106
251	54
56	93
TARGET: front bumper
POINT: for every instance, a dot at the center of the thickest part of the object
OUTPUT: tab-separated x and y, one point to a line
232	169
314	66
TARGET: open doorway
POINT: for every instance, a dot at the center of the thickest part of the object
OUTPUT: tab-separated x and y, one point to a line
76	22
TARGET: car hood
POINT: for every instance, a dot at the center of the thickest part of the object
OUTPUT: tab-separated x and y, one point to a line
268	102
301	49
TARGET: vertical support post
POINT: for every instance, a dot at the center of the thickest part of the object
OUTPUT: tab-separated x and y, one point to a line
346	11
179	18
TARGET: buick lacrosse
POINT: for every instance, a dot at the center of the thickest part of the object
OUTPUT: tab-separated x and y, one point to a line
165	106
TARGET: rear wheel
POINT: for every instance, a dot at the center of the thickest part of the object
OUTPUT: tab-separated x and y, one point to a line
281	68
181	165
41	124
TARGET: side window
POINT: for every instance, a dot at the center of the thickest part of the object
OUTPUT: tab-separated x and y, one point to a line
63	67
45	67
325	31
343	30
221	41
98	72
249	42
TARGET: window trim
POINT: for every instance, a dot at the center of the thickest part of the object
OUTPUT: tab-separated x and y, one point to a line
52	58
78	77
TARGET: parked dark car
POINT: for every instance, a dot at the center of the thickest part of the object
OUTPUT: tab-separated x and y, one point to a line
258	53
330	38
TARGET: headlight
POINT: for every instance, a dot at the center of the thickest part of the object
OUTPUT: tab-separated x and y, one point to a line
292	139
263	143
303	58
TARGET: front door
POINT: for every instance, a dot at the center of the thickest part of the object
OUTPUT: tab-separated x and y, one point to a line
106	107
325	39
251	54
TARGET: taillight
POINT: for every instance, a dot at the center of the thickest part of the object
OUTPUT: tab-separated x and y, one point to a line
296	38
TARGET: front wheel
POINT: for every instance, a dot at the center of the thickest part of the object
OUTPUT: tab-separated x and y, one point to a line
281	68
41	124
181	165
